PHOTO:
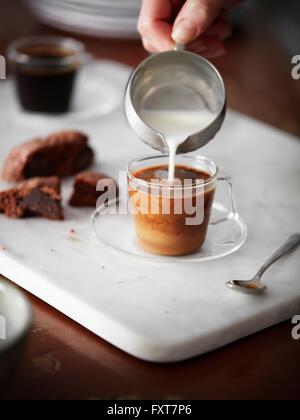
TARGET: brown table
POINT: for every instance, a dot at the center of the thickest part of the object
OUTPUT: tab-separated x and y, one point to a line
63	360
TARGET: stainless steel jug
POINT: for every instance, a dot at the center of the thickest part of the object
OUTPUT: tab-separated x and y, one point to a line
165	80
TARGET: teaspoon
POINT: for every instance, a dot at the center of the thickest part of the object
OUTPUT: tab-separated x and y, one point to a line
255	286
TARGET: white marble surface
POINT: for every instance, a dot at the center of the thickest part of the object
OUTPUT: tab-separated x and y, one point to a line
174	311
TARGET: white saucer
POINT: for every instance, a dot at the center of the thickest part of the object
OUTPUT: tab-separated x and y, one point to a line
99	91
116	232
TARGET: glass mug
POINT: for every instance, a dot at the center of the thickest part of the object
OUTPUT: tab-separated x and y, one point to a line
174	220
45	70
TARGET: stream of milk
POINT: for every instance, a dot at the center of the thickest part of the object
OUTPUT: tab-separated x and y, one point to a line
176	126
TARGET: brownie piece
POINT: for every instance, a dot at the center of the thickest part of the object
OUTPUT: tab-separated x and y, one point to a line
35	197
85	192
61	154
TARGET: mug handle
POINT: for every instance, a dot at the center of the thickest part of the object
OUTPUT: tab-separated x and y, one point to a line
233	210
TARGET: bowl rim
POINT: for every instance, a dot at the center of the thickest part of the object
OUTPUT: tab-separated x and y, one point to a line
16	56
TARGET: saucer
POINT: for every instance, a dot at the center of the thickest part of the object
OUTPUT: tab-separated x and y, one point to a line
99	91
116	232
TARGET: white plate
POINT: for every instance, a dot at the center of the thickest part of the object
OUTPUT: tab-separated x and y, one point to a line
84	14
87	28
116	232
87	23
102	9
99	91
111	4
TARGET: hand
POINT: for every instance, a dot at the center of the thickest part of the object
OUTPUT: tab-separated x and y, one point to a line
201	25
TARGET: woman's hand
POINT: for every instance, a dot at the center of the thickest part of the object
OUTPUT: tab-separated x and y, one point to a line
201	25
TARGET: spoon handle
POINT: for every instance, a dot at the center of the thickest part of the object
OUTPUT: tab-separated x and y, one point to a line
292	243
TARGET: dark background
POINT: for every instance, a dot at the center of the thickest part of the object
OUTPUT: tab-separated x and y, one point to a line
281	18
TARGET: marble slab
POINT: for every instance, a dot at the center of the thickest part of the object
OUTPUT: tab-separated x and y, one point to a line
165	312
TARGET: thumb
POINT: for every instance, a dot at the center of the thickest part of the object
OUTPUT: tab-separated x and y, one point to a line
194	18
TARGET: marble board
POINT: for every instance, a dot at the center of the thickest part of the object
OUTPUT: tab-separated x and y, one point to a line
163	312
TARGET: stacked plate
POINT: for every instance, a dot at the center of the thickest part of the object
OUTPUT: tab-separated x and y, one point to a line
106	18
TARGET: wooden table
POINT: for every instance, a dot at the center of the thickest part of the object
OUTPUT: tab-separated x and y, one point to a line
64	361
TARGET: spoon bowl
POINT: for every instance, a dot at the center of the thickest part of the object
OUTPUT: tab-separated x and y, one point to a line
251	287
255	286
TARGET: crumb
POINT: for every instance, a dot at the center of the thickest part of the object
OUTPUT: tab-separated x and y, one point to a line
51	250
72	235
103	268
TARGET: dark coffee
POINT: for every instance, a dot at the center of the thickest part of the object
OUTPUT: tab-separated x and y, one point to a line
43	84
169	234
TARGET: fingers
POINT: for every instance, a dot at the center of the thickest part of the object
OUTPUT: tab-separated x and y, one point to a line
209	47
206	24
154	25
148	46
210	44
195	18
157	37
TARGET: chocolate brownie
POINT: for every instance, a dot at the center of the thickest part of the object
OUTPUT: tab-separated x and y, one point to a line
35	197
85	192
61	154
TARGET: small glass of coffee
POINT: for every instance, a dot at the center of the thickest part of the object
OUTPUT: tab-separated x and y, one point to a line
45	70
172	219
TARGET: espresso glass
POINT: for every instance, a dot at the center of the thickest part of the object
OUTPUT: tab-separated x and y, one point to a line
45	70
172	219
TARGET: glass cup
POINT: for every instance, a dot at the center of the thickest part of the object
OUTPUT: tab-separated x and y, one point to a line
172	219
45	70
